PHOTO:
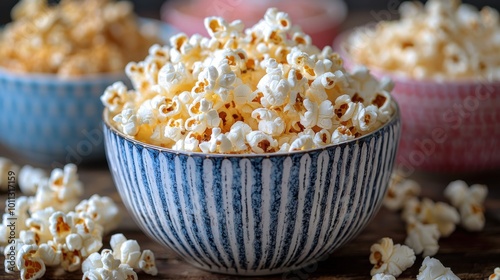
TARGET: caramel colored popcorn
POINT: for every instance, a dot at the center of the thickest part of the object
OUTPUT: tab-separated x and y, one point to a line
72	38
442	40
259	90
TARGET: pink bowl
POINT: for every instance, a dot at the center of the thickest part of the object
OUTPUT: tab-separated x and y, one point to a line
319	18
449	126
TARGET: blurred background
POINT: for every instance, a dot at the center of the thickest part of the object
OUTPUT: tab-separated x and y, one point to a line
151	8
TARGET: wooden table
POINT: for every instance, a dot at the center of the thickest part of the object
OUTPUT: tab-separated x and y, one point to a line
469	255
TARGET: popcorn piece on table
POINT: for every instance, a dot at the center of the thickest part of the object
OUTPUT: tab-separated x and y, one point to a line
390	259
62	192
31	178
8	173
422	238
129	252
444	216
495	275
29	263
469	201
105	266
102	210
382	276
433	269
399	192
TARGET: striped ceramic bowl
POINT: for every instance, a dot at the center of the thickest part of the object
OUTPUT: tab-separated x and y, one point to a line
448	126
53	120
253	214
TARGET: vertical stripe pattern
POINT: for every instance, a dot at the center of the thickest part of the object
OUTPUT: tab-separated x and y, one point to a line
254	215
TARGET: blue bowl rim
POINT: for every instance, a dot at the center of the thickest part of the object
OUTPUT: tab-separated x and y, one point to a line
394	118
45	78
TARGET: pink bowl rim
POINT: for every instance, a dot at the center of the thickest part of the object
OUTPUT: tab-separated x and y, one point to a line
338	45
335	14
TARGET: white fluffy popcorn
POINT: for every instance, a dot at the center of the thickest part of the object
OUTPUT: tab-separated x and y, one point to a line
102	210
433	269
422	238
30	178
268	76
495	275
128	252
382	276
104	266
441	40
469	201
400	191
29	263
444	216
390	259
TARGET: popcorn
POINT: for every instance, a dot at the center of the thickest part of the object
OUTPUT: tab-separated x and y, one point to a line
104	266
102	210
433	269
399	192
441	40
72	38
8	171
444	216
28	263
30	178
469	201
495	275
390	259
190	94
422	238
382	276
129	252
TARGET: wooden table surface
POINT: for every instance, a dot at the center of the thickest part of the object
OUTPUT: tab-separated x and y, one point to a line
469	255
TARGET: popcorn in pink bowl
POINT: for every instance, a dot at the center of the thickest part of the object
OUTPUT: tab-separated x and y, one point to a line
447	82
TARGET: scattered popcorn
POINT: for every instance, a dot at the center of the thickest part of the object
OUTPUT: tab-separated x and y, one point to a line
433	269
444	216
390	259
382	276
30	178
8	174
62	191
399	192
193	94
441	40
129	252
102	210
104	266
422	238
469	201
495	275
48	233
72	38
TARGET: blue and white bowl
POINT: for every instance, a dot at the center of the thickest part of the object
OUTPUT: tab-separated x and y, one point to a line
253	214
54	120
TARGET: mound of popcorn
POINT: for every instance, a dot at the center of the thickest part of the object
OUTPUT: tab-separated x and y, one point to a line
260	90
72	38
54	228
442	40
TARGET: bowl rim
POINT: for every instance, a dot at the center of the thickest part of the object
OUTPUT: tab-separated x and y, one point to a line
396	117
339	46
43	77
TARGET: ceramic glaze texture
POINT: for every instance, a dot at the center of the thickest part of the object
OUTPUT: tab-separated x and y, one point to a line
254	214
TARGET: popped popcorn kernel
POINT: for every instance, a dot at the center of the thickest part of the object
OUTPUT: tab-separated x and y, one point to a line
400	191
495	275
72	38
433	269
422	238
441	40
390	259
469	202
268	76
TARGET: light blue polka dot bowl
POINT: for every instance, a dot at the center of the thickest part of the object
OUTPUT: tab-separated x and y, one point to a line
52	120
253	214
